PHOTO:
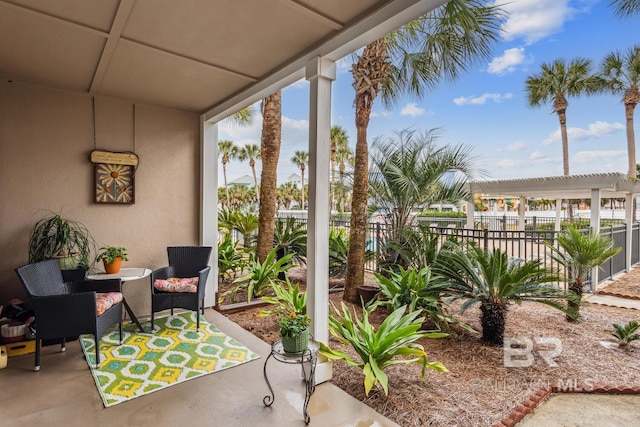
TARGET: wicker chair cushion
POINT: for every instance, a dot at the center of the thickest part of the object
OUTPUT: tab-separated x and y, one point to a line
174	284
104	301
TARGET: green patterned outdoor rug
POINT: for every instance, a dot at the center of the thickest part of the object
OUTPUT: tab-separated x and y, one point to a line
147	362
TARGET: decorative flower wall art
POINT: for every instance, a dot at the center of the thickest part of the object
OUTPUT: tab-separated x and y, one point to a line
114	177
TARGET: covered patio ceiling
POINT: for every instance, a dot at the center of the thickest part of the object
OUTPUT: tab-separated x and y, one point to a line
611	185
204	56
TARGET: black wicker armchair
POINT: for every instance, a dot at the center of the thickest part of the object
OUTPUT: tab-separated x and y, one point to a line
184	262
67	309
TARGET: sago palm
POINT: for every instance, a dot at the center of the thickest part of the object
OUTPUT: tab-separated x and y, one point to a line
491	279
578	252
411	60
621	76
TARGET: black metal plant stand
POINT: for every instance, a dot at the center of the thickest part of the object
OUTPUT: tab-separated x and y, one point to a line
307	359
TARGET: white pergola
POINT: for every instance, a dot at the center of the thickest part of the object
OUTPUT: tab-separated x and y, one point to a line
592	186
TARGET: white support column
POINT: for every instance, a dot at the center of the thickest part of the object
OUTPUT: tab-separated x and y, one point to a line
320	72
209	203
628	220
595	228
558	214
521	213
471	214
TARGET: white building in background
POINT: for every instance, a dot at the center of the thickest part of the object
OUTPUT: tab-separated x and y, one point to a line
243	180
296	179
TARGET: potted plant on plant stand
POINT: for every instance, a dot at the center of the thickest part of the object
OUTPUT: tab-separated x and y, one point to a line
293	319
56	237
112	257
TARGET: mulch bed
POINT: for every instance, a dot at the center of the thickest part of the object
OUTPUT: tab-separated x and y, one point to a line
479	389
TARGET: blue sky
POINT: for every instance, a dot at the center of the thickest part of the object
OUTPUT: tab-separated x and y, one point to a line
486	108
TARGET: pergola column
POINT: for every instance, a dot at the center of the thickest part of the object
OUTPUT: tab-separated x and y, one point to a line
209	203
320	72
595	228
628	220
558	214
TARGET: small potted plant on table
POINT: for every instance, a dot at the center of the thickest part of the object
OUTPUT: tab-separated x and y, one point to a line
112	257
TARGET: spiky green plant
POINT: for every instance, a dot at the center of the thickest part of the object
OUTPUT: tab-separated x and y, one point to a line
626	333
379	349
230	258
260	275
580	251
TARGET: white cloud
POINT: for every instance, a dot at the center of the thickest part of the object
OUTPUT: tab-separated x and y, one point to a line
516	146
536	155
598	156
594	130
412	109
482	99
533	20
507	62
380	114
294	124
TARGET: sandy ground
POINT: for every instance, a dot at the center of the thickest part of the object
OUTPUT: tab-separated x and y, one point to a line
479	389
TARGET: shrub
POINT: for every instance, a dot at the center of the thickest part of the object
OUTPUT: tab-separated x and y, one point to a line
260	276
626	333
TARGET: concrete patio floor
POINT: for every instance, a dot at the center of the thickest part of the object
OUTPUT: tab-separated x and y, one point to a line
63	393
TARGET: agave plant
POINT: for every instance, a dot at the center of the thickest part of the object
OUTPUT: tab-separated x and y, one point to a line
260	275
494	281
393	343
419	290
288	299
230	258
626	333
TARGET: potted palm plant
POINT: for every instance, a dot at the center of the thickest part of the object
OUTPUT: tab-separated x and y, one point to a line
112	257
56	237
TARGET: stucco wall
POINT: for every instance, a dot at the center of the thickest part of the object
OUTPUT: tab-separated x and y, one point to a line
45	140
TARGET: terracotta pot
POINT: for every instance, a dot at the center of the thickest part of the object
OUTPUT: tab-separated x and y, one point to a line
114	267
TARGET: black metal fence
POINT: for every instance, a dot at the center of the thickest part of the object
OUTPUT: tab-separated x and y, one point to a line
527	244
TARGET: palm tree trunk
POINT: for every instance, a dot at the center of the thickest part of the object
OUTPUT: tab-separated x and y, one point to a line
562	116
631	140
370	73
270	152
252	163
226	187
493	319
575	287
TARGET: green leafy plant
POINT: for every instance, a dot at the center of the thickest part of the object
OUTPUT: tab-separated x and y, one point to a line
109	254
493	280
260	276
288	299
230	258
579	251
55	236
290	237
379	349
419	290
626	333
339	251
293	324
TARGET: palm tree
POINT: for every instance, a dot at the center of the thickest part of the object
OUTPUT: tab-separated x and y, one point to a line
625	8
439	45
270	142
251	152
621	76
411	172
340	139
300	159
228	151
286	194
579	252
344	157
493	280
554	83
